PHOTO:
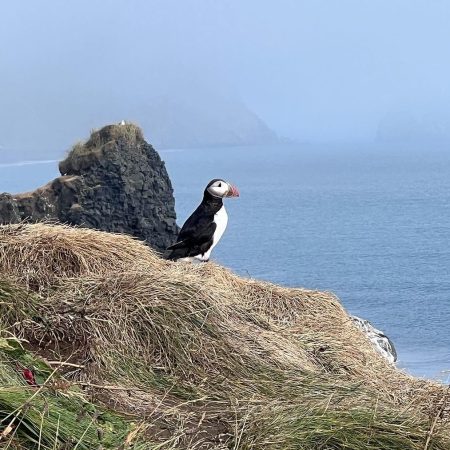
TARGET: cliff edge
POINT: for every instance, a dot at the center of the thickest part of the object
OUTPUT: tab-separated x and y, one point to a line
114	182
103	344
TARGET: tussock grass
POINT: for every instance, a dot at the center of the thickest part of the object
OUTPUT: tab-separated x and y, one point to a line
82	154
204	358
42	254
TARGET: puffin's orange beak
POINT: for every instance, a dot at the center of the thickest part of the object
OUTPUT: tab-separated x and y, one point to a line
233	191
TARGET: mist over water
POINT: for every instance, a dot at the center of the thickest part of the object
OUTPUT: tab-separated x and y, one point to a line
312	70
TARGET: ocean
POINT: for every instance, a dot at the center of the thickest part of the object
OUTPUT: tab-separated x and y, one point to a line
370	223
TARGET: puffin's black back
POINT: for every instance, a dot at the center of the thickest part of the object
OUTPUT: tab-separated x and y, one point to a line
196	235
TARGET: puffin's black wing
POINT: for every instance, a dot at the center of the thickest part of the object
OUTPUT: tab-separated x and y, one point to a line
196	236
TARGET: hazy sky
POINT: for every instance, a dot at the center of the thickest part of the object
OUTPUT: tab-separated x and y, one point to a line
314	70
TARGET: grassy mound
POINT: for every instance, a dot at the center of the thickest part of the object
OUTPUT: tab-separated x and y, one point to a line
82	153
166	355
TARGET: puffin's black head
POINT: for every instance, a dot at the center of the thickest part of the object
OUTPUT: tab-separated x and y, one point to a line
219	188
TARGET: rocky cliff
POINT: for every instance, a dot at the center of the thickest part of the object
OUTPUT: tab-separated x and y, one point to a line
115	181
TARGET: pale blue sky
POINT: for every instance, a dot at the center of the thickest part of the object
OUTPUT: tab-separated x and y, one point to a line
313	70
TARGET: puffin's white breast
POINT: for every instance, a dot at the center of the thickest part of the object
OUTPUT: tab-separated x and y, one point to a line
221	221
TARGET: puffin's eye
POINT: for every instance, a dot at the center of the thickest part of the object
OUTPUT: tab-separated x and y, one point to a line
220	184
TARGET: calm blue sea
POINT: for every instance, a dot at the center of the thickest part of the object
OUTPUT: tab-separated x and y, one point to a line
368	222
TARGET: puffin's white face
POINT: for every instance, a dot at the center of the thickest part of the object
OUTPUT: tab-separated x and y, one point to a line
221	189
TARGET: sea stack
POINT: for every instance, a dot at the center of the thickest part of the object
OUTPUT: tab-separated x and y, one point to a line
115	181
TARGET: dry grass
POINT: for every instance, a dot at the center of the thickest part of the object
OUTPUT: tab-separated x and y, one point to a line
42	254
99	141
206	358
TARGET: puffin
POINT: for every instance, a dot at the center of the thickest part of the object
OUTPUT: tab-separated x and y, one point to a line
205	226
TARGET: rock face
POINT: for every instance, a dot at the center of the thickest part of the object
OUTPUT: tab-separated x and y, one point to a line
382	344
114	182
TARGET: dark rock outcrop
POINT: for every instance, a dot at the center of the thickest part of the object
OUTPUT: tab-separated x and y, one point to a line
114	182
